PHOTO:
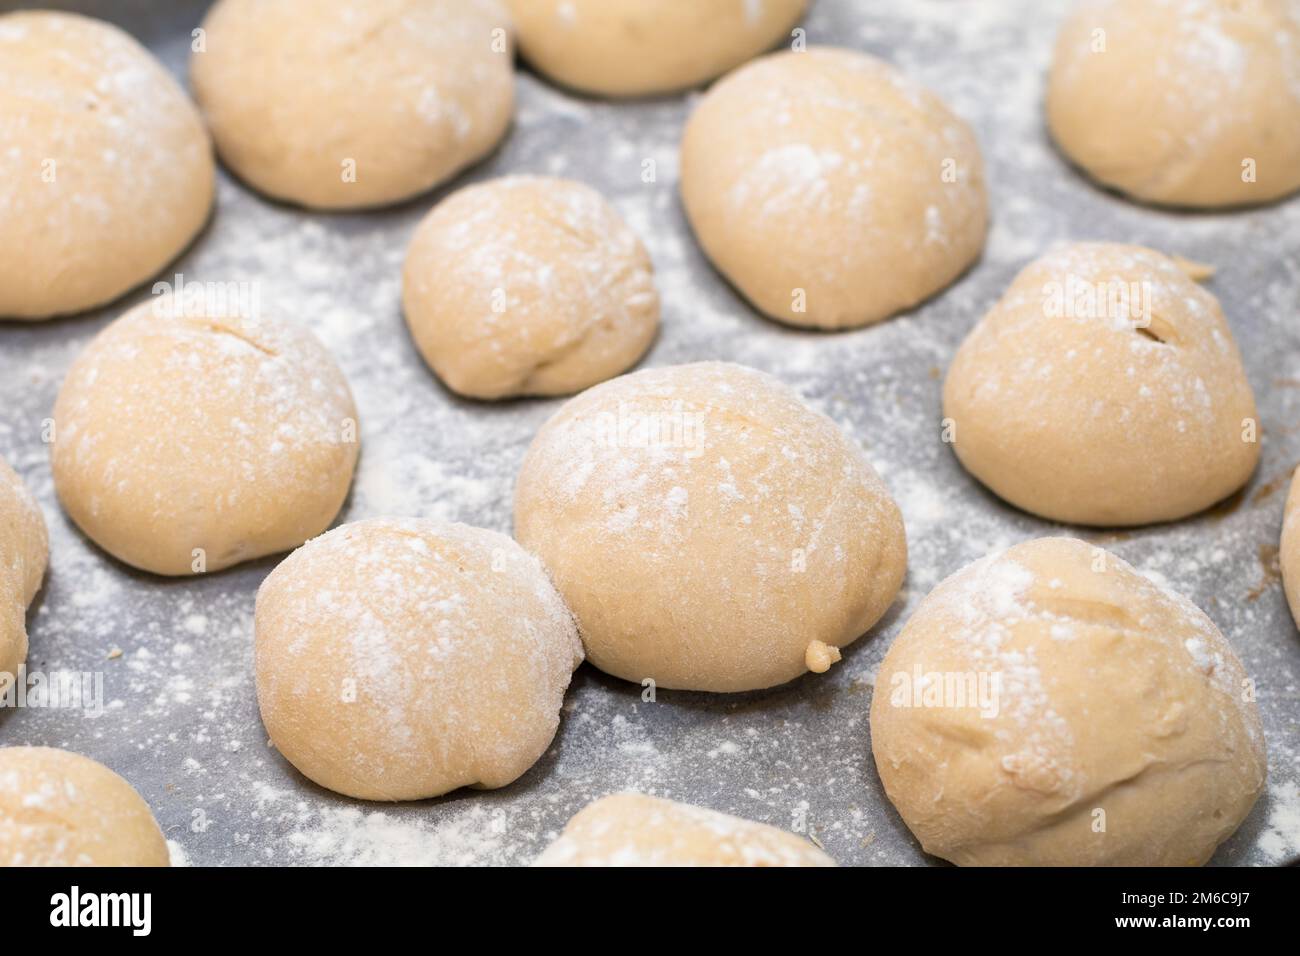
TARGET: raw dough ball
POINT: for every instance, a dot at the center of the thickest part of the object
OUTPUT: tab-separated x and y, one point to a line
528	286
1049	706
24	552
706	527
58	808
1290	549
1184	93
629	829
401	658
830	189
176	430
340	104
639	47
106	171
1104	388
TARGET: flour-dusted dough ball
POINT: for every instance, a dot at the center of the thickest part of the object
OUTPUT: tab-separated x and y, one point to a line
528	285
1181	102
106	171
1104	388
24	552
58	808
830	189
1290	549
186	442
641	47
707	528
1050	706
402	658
342	104
630	829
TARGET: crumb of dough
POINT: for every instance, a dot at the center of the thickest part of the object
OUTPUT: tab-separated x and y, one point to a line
819	657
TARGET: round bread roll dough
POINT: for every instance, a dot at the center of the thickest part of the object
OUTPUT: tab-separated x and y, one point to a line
528	285
1181	102
629	829
1049	706
640	47
831	190
186	442
402	658
24	552
343	104
1104	388
106	171
1289	551
58	808
707	528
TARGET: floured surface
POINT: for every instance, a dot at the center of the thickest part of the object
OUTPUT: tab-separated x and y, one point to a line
180	717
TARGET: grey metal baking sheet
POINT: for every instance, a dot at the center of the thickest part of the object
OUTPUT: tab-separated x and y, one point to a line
180	720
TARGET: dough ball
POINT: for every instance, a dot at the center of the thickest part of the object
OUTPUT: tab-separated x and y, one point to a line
831	190
178	430
106	171
401	658
1104	388
629	829
342	104
58	808
1181	102
706	527
640	47
528	286
1290	549
1049	706
24	552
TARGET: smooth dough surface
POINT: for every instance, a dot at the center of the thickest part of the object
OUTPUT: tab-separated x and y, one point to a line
58	808
178	430
830	189
1183	94
643	47
24	553
402	658
706	527
528	285
1123	730
106	171
342	104
1104	388
630	829
1289	552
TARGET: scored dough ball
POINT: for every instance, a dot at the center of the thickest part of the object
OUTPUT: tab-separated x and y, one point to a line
1290	549
1049	706
708	529
402	658
1104	388
1181	102
341	104
831	190
24	552
528	286
106	171
58	808
629	829
640	47
187	442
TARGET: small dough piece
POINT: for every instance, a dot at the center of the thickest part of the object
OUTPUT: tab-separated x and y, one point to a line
106	171
1290	548
1189	103
629	829
58	808
402	658
528	285
346	104
705	526
1049	706
176	430
830	189
644	47
24	553
1104	388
